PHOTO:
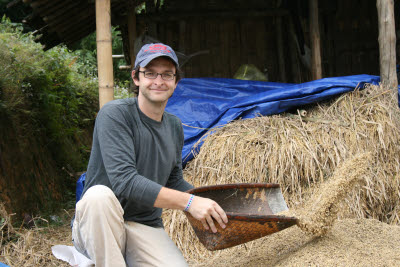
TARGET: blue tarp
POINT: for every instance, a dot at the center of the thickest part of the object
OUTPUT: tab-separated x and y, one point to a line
205	103
211	102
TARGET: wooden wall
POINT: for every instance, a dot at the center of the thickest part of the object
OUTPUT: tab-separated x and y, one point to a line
349	41
352	31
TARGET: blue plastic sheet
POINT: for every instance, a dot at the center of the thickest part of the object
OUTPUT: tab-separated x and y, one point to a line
79	187
205	103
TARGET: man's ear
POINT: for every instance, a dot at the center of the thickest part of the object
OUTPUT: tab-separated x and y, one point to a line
136	81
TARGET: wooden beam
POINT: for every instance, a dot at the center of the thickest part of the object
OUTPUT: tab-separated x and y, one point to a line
387	42
316	70
132	35
104	51
172	16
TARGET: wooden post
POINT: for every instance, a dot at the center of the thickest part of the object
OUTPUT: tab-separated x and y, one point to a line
132	35
316	71
104	51
387	42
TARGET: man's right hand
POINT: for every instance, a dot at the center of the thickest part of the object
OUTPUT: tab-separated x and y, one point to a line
205	209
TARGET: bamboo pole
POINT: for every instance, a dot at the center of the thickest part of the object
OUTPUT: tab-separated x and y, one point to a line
387	42
316	71
104	51
132	35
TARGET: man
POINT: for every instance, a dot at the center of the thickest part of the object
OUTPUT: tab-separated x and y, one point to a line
135	170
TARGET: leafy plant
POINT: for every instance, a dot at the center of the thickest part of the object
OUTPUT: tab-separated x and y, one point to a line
49	91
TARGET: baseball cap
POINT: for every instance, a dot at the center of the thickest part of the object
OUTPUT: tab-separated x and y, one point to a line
148	52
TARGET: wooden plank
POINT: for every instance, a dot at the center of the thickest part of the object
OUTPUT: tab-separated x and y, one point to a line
104	51
170	16
279	43
212	44
182	34
197	34
264	48
132	35
236	47
225	48
316	71
294	54
387	43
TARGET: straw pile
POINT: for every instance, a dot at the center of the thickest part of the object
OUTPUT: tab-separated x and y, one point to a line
301	151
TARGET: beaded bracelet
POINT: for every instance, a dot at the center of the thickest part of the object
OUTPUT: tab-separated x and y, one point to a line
189	202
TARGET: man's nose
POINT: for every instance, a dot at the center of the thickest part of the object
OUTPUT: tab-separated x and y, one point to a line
159	78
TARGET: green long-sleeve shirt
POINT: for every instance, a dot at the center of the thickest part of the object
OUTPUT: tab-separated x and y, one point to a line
135	156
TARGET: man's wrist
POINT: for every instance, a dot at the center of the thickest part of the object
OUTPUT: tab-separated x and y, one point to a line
189	203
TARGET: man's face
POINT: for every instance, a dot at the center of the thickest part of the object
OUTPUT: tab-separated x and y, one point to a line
156	90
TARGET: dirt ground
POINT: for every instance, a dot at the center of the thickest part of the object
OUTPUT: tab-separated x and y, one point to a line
351	242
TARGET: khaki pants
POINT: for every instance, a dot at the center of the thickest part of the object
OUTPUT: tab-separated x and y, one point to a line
100	232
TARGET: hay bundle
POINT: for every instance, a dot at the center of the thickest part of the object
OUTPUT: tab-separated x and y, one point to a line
301	151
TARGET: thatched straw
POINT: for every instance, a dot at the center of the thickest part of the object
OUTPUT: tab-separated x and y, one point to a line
300	152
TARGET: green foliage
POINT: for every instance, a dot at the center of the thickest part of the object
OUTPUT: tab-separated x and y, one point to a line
46	90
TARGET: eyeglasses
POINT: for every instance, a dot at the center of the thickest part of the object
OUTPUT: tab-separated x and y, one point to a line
166	76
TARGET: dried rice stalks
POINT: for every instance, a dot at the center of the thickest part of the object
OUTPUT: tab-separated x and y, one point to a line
6	228
320	211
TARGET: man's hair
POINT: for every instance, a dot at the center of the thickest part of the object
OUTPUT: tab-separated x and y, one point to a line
178	77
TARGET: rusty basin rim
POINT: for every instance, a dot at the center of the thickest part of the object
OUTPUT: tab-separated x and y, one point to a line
231	186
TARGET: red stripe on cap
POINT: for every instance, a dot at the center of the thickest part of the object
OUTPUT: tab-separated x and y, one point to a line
156	48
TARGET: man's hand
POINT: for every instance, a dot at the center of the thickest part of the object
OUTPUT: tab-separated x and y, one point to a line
202	209
205	209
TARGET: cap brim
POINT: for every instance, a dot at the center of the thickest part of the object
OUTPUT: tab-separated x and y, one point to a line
155	55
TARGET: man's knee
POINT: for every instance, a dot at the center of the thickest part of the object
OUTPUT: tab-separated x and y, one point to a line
98	192
99	197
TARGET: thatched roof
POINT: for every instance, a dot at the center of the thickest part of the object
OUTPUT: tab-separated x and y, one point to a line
67	21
